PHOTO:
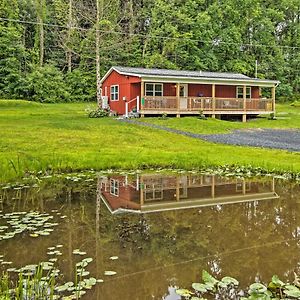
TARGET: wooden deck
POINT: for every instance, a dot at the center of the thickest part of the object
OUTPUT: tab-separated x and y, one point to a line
207	105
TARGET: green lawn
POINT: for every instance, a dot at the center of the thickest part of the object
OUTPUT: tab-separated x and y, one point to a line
287	117
60	136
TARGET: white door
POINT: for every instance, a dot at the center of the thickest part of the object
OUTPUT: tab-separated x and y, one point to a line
183	93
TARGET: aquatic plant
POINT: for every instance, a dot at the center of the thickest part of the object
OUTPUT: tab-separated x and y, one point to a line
228	288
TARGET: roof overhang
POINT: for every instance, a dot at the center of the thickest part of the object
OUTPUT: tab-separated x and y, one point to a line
196	80
210	80
194	203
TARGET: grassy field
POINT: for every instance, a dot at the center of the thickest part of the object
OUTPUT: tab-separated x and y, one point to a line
287	117
60	137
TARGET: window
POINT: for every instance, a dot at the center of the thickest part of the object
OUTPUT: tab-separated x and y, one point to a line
153	192
239	92
114	187
154	89
114	93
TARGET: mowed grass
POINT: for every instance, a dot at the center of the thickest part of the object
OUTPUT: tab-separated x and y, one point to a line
287	117
61	137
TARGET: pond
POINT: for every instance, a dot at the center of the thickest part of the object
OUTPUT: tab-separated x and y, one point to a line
154	231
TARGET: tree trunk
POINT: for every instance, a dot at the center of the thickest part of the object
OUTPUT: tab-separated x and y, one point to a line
70	21
40	20
98	74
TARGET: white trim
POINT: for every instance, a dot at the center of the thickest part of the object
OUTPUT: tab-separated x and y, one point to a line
105	91
110	93
185	89
114	187
121	73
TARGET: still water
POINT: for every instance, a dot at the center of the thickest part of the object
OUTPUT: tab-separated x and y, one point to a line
164	228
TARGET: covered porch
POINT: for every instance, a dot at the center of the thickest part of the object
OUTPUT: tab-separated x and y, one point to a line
212	99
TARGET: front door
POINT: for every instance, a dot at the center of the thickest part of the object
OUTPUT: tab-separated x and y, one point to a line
183	93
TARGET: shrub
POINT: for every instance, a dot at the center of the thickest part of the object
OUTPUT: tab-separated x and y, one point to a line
163	116
98	112
81	86
47	84
201	115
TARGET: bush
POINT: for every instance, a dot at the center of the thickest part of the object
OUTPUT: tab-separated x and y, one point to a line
296	104
47	84
201	115
163	116
81	86
98	112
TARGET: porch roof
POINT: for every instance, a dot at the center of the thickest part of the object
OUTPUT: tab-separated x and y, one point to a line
184	76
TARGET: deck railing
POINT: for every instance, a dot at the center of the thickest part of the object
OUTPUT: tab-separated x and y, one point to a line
170	103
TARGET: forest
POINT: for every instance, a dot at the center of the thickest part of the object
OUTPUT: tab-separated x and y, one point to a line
57	50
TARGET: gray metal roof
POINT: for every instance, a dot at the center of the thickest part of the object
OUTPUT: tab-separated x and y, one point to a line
178	73
190	76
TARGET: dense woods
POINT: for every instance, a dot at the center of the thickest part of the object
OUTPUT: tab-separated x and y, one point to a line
50	50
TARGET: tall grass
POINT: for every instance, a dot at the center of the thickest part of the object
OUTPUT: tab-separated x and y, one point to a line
27	287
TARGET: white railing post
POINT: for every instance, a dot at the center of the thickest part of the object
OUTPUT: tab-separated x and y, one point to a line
137	103
126	109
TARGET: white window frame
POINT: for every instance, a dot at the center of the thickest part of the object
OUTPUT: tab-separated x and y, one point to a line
114	187
240	92
154	90
113	92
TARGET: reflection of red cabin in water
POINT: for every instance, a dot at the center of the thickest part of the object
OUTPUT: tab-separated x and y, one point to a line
151	192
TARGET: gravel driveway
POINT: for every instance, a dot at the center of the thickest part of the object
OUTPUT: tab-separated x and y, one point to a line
285	139
266	138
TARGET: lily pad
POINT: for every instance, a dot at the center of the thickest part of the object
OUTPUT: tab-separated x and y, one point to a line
110	273
199	287
114	258
257	288
184	292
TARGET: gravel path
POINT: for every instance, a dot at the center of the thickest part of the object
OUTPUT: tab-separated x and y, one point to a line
284	139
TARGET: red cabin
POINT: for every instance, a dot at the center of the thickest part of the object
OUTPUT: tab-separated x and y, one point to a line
173	92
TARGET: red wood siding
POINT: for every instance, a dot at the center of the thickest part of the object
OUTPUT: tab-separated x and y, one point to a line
135	90
225	91
169	89
255	92
125	88
197	90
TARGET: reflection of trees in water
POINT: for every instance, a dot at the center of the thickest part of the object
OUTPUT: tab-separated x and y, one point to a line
136	232
232	239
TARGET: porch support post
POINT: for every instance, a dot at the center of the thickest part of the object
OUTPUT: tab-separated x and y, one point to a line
177	189
213	182
213	95
244	187
142	200
273	185
244	118
178	99
273	98
142	94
